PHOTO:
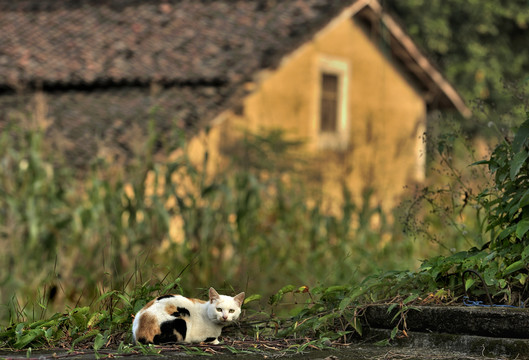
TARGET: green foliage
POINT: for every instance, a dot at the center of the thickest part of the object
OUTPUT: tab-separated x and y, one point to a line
107	322
479	45
507	204
494	270
503	205
498	241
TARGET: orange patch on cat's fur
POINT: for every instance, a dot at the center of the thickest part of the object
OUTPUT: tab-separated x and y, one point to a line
170	309
148	328
198	301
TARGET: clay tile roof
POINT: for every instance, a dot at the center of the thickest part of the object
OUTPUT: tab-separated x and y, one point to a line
188	41
195	43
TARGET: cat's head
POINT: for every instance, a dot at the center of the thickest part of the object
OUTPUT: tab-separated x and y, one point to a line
224	309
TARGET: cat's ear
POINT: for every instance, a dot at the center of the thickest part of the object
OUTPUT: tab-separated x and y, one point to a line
213	295
239	298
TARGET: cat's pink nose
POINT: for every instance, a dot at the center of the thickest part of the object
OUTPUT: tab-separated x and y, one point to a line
225	317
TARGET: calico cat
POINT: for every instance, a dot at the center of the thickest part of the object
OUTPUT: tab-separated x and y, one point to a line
175	318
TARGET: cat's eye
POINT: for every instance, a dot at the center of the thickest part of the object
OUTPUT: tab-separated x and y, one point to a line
232	311
219	309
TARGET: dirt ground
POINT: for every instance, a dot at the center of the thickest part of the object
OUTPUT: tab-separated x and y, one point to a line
355	352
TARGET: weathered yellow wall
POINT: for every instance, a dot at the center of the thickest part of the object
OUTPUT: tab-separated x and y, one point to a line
386	113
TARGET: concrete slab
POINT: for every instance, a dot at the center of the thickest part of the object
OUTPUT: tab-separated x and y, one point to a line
476	331
498	322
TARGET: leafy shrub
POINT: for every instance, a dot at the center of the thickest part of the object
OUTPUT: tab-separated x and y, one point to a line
498	265
507	203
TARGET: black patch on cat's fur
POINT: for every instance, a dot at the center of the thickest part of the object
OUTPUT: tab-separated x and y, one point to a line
183	311
210	339
164	297
168	329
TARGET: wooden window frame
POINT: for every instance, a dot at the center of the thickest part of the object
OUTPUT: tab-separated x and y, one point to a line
339	138
329	102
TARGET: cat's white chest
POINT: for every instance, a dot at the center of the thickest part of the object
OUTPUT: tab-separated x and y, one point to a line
200	328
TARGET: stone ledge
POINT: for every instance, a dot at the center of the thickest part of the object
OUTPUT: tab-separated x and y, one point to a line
496	322
450	343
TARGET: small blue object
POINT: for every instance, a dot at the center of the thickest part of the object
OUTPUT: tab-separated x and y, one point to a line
468	302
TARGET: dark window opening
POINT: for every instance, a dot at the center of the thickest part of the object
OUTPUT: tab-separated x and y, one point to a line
329	103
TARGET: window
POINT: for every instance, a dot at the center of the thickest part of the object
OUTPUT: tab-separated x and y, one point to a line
332	118
329	102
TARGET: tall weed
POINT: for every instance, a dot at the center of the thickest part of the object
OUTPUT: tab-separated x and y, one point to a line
69	238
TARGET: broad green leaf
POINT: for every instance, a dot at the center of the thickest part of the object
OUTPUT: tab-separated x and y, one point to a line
524	200
521	228
480	162
81	310
384	342
394	332
391	307
99	341
49	333
397	314
517	162
345	303
326	319
96	318
296	311
515	266
79	316
86	336
522	278
525	252
274	299
28	338
522	134
254	297
287	289
37	324
513	208
501	176
507	232
19	330
410	298
490	256
469	282
490	275
124	299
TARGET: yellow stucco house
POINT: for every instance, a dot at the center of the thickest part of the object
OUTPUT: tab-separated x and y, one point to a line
360	103
341	75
